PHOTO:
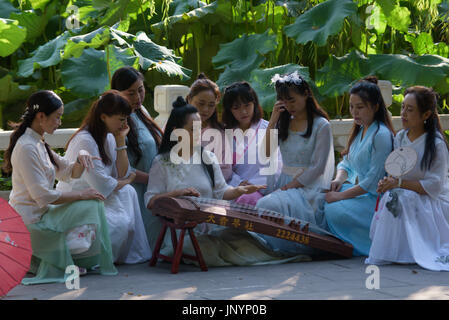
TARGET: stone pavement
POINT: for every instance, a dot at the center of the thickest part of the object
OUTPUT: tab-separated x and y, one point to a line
330	279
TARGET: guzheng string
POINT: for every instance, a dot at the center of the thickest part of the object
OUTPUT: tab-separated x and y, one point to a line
259	212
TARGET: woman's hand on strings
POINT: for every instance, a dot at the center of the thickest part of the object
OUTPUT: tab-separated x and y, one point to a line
244	183
250	188
336	185
188	192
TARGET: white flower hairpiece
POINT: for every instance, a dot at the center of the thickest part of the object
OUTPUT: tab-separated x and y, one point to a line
292	77
35	107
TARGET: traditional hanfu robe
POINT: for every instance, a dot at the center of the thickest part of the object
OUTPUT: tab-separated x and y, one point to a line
310	161
149	150
413	228
126	229
247	164
350	219
220	246
33	178
218	148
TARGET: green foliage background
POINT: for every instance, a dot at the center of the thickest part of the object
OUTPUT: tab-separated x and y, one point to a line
333	43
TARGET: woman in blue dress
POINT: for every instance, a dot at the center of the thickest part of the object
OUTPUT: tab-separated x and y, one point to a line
350	207
307	154
143	141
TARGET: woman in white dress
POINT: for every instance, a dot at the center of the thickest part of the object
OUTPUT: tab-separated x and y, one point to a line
50	215
103	133
412	222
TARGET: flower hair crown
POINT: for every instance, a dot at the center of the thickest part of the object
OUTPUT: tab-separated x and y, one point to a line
291	78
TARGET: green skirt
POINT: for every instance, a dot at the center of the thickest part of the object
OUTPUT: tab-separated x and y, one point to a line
51	255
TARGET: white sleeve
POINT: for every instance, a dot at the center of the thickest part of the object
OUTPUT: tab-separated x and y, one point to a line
320	156
34	176
436	176
96	177
64	170
157	180
220	185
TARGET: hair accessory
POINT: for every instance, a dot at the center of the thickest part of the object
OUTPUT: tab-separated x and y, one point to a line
35	107
292	78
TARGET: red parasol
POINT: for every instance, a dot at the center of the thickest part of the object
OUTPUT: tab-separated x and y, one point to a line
15	248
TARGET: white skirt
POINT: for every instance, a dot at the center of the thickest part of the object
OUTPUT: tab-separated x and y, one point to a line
126	230
410	228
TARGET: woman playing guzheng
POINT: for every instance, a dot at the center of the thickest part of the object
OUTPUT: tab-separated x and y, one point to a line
349	207
412	222
175	173
143	140
103	133
243	114
51	215
307	153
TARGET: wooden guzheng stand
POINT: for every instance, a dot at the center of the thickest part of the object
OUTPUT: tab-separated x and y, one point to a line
186	212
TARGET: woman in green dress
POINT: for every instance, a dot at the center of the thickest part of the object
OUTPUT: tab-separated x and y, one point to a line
143	141
51	215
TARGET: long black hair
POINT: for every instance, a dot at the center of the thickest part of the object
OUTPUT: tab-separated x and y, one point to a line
110	103
295	82
122	79
368	90
243	93
42	101
177	120
426	100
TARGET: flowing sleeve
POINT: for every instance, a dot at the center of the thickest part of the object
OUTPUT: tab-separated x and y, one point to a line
382	147
64	170
321	153
157	180
436	177
34	176
97	177
220	185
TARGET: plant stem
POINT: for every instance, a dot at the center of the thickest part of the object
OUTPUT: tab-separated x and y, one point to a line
107	64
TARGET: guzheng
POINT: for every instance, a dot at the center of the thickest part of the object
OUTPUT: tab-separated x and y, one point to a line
249	218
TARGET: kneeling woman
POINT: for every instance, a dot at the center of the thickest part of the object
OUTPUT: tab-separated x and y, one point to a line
411	225
102	134
50	214
220	246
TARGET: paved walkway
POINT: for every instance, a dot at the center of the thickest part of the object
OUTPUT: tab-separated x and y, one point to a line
331	279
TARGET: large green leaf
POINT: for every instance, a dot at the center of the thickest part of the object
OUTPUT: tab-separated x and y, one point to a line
46	55
11	91
339	73
397	17
320	22
39	4
242	51
11	36
242	56
87	76
260	80
33	22
427	70
6	8
75	45
154	56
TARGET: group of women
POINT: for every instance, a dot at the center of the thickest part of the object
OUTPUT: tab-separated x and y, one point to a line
118	163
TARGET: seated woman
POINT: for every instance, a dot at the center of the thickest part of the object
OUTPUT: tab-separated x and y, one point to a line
220	246
412	222
307	153
143	140
205	95
241	111
50	214
349	207
102	133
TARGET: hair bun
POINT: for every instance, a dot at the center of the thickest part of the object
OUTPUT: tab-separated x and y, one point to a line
372	79
202	76
180	102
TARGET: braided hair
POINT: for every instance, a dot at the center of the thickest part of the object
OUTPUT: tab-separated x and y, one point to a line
42	101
